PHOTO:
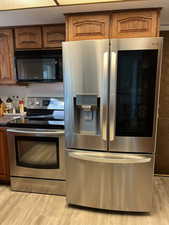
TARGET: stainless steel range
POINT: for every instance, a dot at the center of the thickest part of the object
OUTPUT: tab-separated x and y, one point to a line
111	102
36	148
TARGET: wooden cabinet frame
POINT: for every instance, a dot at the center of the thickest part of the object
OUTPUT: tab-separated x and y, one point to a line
87	27
116	24
53	35
136	23
39	37
28	37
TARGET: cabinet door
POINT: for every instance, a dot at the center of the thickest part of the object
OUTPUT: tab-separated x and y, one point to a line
86	27
53	36
162	153
4	163
144	23
6	57
28	37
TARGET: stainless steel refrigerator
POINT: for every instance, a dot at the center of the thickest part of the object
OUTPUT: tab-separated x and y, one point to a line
111	103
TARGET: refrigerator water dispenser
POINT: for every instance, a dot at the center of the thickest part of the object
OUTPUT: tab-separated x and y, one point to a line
87	114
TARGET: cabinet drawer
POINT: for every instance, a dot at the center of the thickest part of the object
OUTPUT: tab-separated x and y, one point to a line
85	27
28	37
53	36
132	24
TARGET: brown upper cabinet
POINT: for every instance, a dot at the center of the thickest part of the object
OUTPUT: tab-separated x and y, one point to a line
138	23
28	37
124	24
6	57
53	36
85	27
39	37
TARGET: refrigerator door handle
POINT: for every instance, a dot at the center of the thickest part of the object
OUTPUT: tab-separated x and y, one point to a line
116	159
104	102
112	106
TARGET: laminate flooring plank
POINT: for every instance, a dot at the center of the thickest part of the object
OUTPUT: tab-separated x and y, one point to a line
19	208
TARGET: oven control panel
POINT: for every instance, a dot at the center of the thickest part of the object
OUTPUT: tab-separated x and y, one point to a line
53	103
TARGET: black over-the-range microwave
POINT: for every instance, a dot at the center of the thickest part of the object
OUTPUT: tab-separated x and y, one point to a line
39	66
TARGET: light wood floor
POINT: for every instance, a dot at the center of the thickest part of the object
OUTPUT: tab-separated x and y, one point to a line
18	208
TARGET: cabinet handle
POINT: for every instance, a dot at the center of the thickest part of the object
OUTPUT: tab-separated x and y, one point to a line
104	93
113	81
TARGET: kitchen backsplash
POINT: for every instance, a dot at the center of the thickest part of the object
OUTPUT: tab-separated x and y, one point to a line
33	90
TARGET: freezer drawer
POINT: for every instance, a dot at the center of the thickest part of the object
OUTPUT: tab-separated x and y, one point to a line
110	180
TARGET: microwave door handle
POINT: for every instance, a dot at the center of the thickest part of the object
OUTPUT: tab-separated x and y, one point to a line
112	106
104	93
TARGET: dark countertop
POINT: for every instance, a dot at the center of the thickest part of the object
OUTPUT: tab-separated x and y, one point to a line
21	122
38	124
4	120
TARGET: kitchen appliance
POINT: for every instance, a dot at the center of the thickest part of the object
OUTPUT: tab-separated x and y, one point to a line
111	103
39	66
36	147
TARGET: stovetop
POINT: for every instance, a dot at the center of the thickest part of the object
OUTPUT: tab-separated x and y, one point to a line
42	112
36	123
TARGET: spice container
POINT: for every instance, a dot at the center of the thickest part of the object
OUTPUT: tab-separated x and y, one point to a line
21	106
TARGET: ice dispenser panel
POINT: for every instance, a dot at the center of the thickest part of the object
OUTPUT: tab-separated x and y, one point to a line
87	119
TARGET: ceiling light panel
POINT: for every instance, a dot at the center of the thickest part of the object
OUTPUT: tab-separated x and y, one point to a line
74	2
20	4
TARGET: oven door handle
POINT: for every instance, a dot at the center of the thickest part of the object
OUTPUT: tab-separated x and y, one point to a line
45	133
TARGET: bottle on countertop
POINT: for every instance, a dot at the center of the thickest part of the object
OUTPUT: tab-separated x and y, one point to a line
9	105
17	104
1	107
21	106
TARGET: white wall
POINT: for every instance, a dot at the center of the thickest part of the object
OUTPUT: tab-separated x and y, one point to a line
33	90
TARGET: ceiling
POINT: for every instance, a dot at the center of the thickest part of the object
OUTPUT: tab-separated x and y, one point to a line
24	4
21	4
55	14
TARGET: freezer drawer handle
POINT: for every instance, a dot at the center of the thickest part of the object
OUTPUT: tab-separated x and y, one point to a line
111	159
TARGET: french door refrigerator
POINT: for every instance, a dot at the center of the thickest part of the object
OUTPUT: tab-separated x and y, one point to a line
111	102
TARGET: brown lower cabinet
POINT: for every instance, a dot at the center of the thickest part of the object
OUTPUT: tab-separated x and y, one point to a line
4	160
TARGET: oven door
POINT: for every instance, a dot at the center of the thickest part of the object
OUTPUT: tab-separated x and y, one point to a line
36	153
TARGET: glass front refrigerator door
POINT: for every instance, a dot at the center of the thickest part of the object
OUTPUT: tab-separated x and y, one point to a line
134	94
